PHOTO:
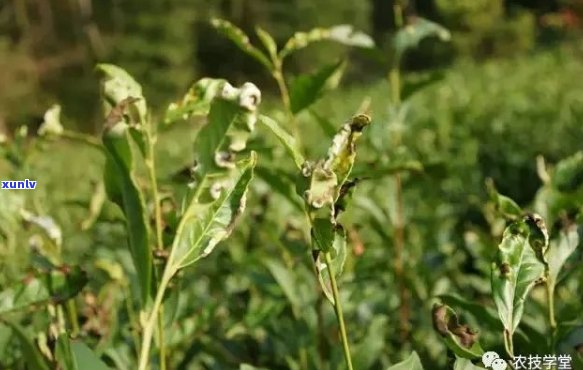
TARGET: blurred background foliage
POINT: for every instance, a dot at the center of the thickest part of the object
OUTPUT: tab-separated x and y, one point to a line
48	48
509	90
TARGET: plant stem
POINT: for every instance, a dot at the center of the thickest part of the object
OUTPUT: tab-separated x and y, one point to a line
277	74
83	138
551	307
161	338
508	344
338	311
72	312
151	165
151	322
394	78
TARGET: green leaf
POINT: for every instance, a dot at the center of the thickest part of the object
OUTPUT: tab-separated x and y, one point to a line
267	41
53	286
410	363
419	28
116	87
240	39
343	34
63	354
559	251
305	90
412	86
504	205
514	273
86	358
31	354
197	100
465	364
285	280
568	174
250	367
121	187
206	224
329	239
369	350
288	141
459	338
325	124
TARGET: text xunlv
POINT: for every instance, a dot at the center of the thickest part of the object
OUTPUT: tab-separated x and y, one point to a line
23	184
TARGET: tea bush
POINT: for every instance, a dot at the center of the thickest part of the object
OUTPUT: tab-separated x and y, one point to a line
335	229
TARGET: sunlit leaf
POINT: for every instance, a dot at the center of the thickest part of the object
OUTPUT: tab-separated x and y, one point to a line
458	337
568	174
410	363
343	34
197	100
559	251
240	39
418	29
53	286
205	224
121	187
52	122
305	90
288	141
116	87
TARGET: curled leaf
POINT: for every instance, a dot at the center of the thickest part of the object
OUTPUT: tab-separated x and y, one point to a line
418	29
196	101
462	340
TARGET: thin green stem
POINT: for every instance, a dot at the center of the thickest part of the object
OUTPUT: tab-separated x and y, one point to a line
394	78
151	166
277	74
148	332
508	343
551	307
161	338
83	138
72	312
338	311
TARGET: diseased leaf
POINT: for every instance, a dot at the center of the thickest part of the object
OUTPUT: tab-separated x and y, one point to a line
122	189
514	272
53	286
197	100
459	338
418	29
482	313
118	86
410	363
568	174
31	354
205	224
288	141
231	120
305	90
342	153
240	39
